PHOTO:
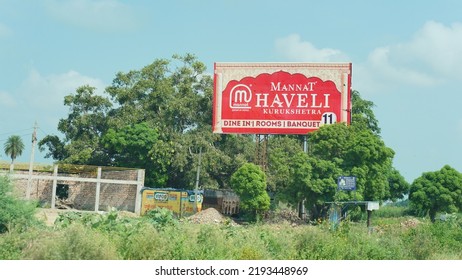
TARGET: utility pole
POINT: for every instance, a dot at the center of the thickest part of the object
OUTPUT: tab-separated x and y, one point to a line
31	162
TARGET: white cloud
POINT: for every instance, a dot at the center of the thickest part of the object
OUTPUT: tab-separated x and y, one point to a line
101	15
294	49
437	46
6	100
431	57
47	92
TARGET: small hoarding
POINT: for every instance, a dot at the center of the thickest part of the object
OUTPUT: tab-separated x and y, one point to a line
180	202
346	183
280	98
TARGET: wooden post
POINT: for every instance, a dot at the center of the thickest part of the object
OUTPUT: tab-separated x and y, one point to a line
55	184
98	189
369	216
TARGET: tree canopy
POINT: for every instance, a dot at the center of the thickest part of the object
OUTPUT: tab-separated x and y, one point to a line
13	147
333	151
249	182
437	191
156	118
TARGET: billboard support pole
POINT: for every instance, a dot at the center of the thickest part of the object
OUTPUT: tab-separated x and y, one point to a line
302	210
261	141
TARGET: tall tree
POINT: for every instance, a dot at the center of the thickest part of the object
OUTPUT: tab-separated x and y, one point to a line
13	148
362	113
82	129
249	182
156	118
437	191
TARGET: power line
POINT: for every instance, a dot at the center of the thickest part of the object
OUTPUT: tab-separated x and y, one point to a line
13	132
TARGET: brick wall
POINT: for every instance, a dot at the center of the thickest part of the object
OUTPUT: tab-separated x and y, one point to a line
83	194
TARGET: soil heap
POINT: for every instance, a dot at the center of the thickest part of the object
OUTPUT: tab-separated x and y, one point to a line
209	216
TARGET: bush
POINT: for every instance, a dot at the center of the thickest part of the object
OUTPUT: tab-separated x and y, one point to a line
144	243
75	242
14	242
390	211
160	217
14	212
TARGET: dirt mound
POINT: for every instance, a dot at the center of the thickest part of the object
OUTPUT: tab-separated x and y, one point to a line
281	216
209	216
410	223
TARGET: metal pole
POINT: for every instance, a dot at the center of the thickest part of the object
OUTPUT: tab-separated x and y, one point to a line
302	210
197	180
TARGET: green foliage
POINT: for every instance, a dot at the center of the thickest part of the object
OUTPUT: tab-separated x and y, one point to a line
439	191
14	242
75	242
390	211
161	218
110	236
156	118
144	242
14	212
249	182
362	115
358	153
136	145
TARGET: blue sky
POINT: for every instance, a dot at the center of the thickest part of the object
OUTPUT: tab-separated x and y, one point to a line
406	57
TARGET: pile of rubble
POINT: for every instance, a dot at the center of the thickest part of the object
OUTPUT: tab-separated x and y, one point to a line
410	223
281	216
210	216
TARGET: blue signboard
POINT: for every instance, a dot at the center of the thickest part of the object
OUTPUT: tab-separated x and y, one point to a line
346	183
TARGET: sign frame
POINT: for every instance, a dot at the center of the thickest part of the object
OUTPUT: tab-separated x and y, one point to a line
280	98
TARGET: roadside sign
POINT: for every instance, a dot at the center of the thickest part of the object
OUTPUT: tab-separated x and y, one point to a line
346	183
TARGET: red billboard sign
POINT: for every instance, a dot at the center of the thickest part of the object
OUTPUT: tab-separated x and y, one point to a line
280	98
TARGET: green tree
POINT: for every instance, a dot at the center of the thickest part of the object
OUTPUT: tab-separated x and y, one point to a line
13	148
169	104
281	150
398	185
82	129
362	113
357	153
437	191
249	182
134	146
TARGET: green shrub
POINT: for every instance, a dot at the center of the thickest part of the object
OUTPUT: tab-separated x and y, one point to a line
75	242
14	212
390	211
145	243
160	217
14	242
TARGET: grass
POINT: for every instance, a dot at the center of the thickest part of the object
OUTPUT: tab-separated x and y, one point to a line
159	237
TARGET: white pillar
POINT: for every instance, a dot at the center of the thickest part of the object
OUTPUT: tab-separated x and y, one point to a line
98	189
55	184
139	186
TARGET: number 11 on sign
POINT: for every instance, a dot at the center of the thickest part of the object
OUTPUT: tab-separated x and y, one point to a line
328	118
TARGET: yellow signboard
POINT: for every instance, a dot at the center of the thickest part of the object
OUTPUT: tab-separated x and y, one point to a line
179	202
